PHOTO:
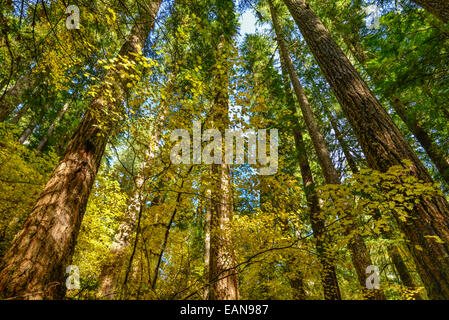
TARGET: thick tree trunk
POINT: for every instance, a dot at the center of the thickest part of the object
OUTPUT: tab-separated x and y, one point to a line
34	266
223	276
53	126
359	252
383	146
439	8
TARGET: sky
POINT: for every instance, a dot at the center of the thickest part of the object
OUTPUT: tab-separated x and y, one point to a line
247	23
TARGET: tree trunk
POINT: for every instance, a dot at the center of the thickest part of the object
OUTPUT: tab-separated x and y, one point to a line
383	146
15	119
223	277
12	97
434	152
402	269
359	252
439	8
34	266
27	132
344	146
207	244
53	126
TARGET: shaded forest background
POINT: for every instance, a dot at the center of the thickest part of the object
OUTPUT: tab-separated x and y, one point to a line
87	184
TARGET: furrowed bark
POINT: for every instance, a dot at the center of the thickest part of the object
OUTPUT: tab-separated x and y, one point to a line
383	146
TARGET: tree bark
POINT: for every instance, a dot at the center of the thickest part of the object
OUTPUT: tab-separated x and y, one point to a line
207	244
383	146
434	152
393	251
34	266
439	8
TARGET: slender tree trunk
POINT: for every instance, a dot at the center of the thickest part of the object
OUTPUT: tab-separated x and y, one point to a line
12	97
402	269
383	146
207	244
322	240
344	146
434	152
27	132
33	124
439	8
53	126
34	266
360	255
223	277
15	119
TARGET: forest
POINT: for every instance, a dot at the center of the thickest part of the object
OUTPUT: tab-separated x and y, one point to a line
224	150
